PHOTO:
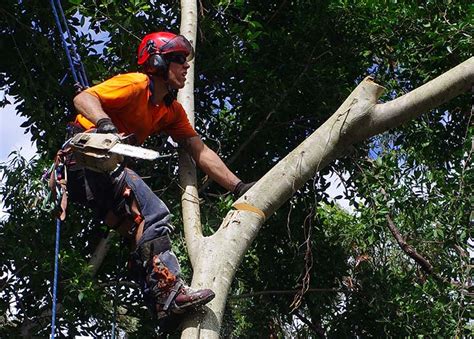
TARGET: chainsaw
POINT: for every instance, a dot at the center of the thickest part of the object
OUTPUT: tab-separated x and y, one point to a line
104	152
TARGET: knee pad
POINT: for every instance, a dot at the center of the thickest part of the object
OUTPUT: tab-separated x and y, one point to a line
142	257
149	249
168	259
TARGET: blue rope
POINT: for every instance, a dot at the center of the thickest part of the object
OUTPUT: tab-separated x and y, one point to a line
75	56
74	60
55	283
80	82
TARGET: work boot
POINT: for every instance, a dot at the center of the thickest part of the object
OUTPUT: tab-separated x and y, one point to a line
164	291
185	299
171	294
189	297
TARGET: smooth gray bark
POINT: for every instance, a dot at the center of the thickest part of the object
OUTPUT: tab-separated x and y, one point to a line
215	259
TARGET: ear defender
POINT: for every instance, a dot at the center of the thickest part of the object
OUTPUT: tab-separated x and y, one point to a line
155	64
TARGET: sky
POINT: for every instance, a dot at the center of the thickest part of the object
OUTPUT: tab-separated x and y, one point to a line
12	136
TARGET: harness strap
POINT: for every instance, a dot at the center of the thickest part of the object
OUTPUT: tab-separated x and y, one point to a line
249	208
58	181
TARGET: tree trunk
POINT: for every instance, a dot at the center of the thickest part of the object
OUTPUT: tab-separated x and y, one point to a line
187	169
216	258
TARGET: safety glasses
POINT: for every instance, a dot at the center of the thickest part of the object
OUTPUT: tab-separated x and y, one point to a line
176	57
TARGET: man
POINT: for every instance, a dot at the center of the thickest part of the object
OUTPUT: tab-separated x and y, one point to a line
142	104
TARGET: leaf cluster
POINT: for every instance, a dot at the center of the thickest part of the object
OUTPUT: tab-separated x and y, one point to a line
268	74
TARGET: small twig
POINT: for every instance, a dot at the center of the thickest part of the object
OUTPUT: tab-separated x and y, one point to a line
308	265
5	284
278	10
468	158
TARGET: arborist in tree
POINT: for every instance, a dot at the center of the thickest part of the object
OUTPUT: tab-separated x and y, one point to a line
144	104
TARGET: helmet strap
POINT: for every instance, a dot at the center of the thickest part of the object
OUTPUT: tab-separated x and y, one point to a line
170	97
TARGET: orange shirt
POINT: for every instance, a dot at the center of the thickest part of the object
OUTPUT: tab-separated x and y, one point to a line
125	99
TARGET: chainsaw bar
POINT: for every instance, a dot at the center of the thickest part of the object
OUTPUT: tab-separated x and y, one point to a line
134	151
103	152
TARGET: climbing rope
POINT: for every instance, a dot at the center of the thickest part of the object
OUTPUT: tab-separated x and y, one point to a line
55	281
75	63
56	201
57	182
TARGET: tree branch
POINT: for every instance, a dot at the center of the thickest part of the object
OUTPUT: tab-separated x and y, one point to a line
356	119
248	141
428	96
408	249
100	252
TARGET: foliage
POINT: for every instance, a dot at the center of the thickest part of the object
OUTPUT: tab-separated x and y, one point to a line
279	69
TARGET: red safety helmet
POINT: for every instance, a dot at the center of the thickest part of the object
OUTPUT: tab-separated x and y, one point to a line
162	43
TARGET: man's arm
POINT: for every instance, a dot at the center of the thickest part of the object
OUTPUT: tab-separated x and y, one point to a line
210	163
89	106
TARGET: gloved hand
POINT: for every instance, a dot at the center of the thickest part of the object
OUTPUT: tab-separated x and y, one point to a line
241	188
105	125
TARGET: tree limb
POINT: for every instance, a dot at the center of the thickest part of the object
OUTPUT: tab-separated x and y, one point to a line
408	249
100	252
187	169
428	96
356	119
248	141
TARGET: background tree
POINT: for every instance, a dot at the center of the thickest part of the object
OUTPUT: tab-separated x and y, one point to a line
268	73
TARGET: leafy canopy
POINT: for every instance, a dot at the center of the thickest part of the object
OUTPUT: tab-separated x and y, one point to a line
268	73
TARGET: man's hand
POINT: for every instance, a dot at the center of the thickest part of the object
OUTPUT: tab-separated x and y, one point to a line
211	163
105	125
241	188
